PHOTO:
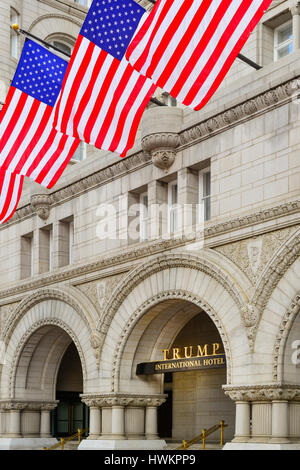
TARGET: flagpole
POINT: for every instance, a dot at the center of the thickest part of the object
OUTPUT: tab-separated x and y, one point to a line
240	56
16	28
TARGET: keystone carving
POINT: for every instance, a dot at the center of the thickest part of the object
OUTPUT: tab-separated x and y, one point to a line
41	205
162	148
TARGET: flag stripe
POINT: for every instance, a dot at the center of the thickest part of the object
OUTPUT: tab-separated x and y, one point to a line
10	193
99	98
187	47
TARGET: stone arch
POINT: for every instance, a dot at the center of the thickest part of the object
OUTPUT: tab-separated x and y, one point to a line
43	313
44	26
196	279
276	321
285	328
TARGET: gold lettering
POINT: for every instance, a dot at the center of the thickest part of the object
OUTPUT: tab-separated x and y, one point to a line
165	351
202	351
186	354
216	347
176	353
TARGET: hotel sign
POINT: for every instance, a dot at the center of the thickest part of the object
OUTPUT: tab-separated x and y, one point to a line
185	359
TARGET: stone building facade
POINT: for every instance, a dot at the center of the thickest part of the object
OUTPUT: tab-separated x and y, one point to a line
191	240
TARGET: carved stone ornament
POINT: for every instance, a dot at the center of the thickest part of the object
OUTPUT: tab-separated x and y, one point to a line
161	148
97	339
264	392
41	205
123	400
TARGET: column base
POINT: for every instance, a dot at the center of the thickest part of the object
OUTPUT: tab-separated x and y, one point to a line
15	443
130	444
260	446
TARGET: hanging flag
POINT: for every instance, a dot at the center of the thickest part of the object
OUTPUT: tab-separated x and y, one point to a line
187	47
29	145
103	97
10	192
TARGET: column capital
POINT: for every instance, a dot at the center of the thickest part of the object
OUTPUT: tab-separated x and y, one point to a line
263	392
122	400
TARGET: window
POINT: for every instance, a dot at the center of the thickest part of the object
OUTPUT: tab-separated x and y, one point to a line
173	207
143	216
45	249
204	212
283	40
14	40
27	256
63	47
65	241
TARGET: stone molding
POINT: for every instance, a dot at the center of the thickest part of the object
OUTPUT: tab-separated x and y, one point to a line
41	205
158	264
29	332
284	329
34	299
123	400
20	405
263	392
270	277
236	115
137	315
66	6
162	148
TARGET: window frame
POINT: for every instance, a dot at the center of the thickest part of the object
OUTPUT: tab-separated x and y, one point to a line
279	46
172	208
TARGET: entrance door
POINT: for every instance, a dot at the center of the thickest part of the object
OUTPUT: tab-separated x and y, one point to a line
70	415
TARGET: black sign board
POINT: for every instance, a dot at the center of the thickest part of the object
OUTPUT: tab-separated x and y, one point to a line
182	365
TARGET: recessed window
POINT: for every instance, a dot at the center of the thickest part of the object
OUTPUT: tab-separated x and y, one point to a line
204	212
27	256
14	40
80	153
173	207
144	217
63	47
283	40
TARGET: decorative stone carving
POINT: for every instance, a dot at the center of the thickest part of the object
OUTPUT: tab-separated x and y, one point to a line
99	291
161	297
41	205
263	392
284	329
250	317
96	343
110	400
161	148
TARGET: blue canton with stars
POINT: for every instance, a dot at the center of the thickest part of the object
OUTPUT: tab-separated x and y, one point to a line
111	24
40	73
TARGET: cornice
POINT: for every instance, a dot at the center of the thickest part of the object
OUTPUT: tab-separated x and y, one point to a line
67	7
242	112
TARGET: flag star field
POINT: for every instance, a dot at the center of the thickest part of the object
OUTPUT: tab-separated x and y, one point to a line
40	74
111	24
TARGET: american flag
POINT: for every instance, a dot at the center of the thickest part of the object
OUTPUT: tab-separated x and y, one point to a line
103	97
187	47
10	192
29	145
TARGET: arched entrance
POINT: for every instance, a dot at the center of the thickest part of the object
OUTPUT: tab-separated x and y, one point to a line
70	414
48	353
195	399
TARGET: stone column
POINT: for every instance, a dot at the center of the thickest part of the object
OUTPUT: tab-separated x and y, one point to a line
135	419
151	417
14	427
295	10
242	413
280	413
95	422
45	426
118	418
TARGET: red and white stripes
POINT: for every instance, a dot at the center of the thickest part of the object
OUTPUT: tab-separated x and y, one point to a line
102	99
28	143
187	47
10	192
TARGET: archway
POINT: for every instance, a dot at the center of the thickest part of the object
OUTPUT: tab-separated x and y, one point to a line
45	332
